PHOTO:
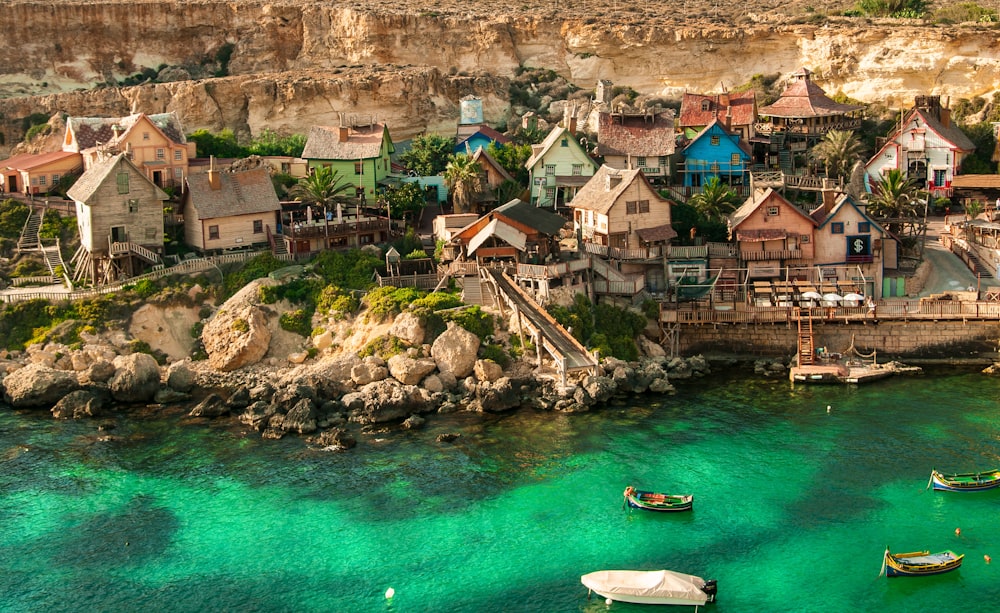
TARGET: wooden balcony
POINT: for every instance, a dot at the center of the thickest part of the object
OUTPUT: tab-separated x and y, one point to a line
760	256
319	229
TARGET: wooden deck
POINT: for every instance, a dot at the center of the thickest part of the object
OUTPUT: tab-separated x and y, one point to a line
888	310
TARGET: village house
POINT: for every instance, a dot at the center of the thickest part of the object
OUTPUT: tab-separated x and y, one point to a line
357	150
559	166
926	146
517	232
797	120
735	110
716	152
119	214
32	174
774	238
473	133
642	139
155	143
493	175
230	210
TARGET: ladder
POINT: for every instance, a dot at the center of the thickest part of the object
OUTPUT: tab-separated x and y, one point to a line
806	351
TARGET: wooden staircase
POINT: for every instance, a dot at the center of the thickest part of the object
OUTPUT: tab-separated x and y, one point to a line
473	292
143	253
807	351
29	240
81	262
977	266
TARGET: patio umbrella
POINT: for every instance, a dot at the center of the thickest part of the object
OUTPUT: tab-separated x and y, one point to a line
831	297
853	296
811	296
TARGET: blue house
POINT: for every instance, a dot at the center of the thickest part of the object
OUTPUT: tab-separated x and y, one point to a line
716	152
471	138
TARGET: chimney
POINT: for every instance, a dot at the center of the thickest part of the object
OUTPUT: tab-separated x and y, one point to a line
214	180
343	130
571	120
945	113
829	198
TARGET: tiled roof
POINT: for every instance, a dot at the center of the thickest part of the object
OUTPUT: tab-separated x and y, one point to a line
636	136
241	193
467	130
28	161
91	131
742	105
532	216
758	198
596	195
803	98
657	234
92	179
952	133
363	142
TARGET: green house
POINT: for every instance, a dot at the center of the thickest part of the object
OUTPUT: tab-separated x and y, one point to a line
359	152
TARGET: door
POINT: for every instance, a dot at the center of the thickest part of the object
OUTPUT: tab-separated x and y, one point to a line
158	178
118	234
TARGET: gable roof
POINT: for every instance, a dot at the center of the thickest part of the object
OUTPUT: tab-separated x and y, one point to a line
481	157
532	216
741	105
466	131
539	151
92	179
90	132
716	126
822	217
951	133
241	193
803	98
363	142
29	161
755	201
635	135
598	194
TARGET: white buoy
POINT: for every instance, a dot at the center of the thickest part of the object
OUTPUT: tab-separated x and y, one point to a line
608	602
389	593
827	408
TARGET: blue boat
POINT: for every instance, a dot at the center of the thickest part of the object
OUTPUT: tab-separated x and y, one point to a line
919	563
965	482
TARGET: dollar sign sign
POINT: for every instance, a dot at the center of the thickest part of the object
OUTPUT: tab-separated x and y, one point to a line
859	245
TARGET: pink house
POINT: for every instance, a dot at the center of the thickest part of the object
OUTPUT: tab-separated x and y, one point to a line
772	234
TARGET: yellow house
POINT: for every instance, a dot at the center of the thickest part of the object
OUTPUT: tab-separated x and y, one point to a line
619	208
37	173
230	210
155	143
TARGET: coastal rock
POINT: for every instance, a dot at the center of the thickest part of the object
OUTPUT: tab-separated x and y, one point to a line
212	406
448	380
300	418
409	371
600	389
257	415
366	372
455	350
100	371
432	383
78	404
165	395
661	386
136	379
408	327
334	439
331	375
487	370
180	377
237	335
383	401
650	348
37	385
501	395
239	399
413	422
447	437
323	340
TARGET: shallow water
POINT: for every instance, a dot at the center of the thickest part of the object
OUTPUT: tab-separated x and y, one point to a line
793	506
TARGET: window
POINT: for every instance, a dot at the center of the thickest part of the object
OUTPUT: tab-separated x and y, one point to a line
564	143
633	207
577	170
706	105
735	160
286	168
258	226
178	173
41	179
804	239
550	194
715	140
122	183
663	161
150	233
940	177
213	233
161	154
178	155
772	211
132	204
550	169
837	227
640	161
366	239
145	136
359	168
55	179
864	227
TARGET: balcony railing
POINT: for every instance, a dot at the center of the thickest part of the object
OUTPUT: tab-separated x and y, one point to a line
781	254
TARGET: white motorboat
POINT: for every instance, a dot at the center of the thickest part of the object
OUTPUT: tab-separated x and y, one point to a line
651	587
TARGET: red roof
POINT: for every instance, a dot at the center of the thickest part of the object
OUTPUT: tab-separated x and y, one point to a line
700	109
803	98
29	161
647	136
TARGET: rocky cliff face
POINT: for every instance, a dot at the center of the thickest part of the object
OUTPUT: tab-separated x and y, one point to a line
293	64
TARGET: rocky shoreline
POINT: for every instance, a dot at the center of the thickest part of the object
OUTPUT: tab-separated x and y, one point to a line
329	401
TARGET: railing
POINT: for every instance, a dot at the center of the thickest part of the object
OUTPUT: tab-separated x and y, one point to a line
690	252
321	229
426	281
844	124
628	287
43	280
779	254
723	250
618	253
890	310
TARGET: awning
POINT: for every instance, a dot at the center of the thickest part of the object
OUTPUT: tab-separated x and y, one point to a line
657	234
759	236
510	235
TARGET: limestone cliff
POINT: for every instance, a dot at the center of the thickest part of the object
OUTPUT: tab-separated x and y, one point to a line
293	64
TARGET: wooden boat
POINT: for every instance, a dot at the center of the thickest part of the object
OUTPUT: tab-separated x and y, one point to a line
651	587
965	482
919	563
652	501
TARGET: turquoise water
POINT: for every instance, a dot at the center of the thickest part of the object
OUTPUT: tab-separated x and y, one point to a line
793	506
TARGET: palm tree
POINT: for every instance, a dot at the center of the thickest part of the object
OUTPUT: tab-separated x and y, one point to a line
325	188
838	151
715	201
464	179
895	196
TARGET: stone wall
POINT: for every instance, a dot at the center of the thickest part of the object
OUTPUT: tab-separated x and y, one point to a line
924	339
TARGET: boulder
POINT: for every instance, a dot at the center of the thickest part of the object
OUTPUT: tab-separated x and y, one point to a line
599	388
651	348
408	327
409	371
334	439
413	422
165	395
367	372
487	370
384	401
237	335
136	379
300	418
257	415
78	404
37	385
180	377
455	351
100	371
501	395
323	340
432	383
212	406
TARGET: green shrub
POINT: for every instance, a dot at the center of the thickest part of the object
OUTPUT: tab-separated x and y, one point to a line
299	321
474	319
387	300
145	288
436	301
240	325
495	353
384	347
334	300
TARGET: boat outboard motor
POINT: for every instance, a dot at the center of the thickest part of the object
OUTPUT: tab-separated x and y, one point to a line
711	588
